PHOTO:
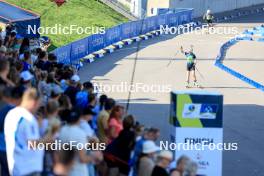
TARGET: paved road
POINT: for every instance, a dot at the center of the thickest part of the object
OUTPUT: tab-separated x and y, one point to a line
243	104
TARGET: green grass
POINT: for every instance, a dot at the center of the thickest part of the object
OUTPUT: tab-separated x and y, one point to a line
84	13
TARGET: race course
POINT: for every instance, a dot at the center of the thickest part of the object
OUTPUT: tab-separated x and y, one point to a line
243	104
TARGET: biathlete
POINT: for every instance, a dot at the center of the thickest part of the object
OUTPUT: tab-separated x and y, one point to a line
208	17
191	62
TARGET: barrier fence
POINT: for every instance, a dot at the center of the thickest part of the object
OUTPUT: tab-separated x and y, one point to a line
247	35
74	51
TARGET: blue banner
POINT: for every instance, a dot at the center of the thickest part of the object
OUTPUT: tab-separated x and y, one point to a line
113	35
96	42
126	31
135	28
63	54
142	26
172	19
79	49
151	23
161	21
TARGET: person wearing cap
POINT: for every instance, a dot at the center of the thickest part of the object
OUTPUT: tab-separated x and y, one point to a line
149	134
146	162
26	78
163	161
73	89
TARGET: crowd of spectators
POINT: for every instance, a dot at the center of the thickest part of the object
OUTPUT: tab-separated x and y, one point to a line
42	101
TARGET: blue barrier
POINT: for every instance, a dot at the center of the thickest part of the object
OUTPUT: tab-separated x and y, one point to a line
96	42
221	57
126	30
79	49
113	35
64	54
76	50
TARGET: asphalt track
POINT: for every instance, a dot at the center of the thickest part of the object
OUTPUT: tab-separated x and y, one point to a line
243	104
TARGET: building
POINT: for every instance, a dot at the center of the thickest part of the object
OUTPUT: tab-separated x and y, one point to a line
152	7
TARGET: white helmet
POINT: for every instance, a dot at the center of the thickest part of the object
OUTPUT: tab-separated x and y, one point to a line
208	11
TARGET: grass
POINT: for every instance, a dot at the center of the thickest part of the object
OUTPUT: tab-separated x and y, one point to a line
84	13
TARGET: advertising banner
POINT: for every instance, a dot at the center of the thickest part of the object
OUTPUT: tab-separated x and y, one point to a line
196	119
112	35
126	31
96	42
63	54
79	49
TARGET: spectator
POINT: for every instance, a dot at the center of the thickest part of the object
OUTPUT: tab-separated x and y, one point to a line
92	99
41	61
181	164
149	134
24	46
27	61
115	122
2	34
86	116
82	96
12	98
163	161
102	122
72	132
72	90
4	70
191	169
63	161
102	101
26	78
51	122
51	126
21	130
53	89
118	152
42	84
3	51
65	102
10	40
146	161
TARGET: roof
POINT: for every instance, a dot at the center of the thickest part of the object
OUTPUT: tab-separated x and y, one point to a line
13	13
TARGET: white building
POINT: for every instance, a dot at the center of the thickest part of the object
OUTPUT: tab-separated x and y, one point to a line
199	6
